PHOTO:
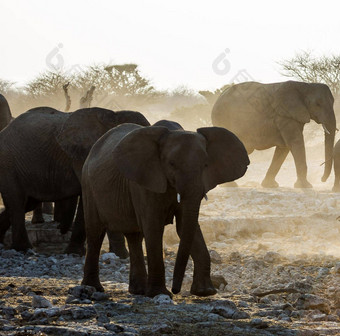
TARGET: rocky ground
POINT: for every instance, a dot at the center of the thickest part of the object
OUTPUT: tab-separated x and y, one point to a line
277	273
275	261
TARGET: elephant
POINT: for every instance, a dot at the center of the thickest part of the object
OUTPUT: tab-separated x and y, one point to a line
5	113
268	115
5	118
41	156
136	179
336	158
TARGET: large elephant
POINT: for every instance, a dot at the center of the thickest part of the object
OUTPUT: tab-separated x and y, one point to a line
5	118
336	158
41	156
136	179
273	115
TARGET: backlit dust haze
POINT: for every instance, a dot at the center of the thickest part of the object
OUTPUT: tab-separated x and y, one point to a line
174	42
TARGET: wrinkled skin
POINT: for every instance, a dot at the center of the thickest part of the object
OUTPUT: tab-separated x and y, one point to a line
53	146
5	119
130	183
336	157
273	115
5	113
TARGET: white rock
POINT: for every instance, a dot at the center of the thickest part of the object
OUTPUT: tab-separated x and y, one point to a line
162	299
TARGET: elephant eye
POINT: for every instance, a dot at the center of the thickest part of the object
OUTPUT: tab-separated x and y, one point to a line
172	163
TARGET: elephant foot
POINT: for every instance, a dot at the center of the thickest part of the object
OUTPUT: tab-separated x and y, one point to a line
203	288
336	188
63	228
94	283
269	183
120	251
154	291
47	208
37	219
73	248
137	289
302	184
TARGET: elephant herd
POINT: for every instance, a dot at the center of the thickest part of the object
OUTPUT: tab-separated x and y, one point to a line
133	178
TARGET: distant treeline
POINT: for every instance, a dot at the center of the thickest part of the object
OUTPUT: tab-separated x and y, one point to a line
124	87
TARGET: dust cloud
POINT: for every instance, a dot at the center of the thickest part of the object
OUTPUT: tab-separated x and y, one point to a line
251	219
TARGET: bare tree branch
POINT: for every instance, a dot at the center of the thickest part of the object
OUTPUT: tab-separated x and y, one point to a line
305	67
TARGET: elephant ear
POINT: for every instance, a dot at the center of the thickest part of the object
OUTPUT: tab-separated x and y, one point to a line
290	103
227	157
137	157
82	129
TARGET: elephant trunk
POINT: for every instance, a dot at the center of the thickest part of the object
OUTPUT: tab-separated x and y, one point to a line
189	220
329	143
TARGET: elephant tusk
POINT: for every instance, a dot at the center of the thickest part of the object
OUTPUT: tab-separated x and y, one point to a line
206	197
178	198
325	129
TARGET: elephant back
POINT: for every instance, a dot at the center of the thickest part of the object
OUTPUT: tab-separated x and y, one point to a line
5	113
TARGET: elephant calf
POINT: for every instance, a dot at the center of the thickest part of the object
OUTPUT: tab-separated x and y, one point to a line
137	179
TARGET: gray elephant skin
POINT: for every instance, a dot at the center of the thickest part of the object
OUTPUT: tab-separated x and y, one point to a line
273	115
137	179
336	156
5	113
5	119
41	156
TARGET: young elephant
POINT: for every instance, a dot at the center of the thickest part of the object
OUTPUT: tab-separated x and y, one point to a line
41	157
136	179
336	158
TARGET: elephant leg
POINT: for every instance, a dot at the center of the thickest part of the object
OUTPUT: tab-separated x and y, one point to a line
202	284
77	241
299	155
138	276
47	208
91	267
15	204
117	244
336	186
154	249
64	211
280	155
293	137
38	215
4	224
95	231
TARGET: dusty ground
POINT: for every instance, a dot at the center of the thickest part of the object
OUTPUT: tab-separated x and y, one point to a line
276	262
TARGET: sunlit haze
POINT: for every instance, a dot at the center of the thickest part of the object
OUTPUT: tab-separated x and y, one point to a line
174	42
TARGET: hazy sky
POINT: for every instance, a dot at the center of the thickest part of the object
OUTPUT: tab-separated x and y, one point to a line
175	42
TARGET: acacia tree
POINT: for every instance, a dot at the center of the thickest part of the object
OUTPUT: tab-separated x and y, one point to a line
305	67
116	85
47	84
